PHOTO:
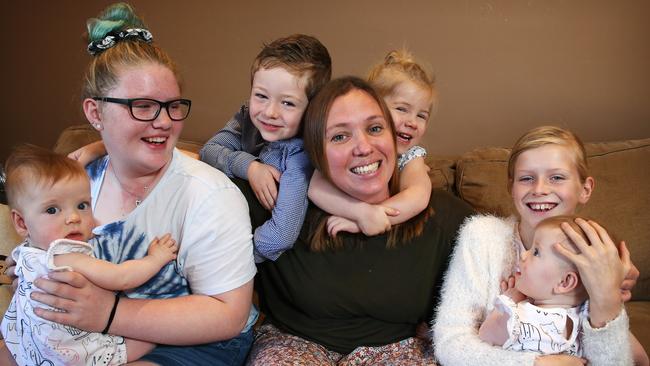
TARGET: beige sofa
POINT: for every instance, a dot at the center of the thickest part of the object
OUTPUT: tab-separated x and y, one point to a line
620	200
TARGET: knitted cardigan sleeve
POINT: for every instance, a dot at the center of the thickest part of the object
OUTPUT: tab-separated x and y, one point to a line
609	345
477	266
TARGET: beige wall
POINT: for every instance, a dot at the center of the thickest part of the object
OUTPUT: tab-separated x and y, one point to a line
502	66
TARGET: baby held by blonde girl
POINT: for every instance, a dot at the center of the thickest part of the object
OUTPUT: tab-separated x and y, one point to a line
547	177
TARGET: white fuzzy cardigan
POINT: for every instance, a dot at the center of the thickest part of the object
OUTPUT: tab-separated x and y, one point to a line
483	257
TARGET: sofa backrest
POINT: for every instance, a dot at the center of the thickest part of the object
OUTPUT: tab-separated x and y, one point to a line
620	199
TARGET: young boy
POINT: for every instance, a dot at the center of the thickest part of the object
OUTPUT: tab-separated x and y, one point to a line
49	197
262	142
544	310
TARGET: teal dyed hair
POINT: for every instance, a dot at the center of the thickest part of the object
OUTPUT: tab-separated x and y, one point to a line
118	16
104	69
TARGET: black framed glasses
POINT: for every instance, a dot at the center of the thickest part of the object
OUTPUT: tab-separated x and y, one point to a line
147	110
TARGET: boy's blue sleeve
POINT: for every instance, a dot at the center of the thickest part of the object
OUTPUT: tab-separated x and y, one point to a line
280	232
225	150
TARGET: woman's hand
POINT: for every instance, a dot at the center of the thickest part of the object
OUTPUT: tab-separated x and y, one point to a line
83	305
86	154
263	180
559	360
601	269
336	224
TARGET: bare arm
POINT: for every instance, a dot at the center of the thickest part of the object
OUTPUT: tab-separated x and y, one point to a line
414	191
86	154
185	320
494	328
125	275
371	219
204	318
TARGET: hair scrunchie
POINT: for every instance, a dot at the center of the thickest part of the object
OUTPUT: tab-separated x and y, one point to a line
96	47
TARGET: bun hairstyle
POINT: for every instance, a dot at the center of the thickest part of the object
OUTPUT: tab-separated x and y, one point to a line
399	66
116	17
117	38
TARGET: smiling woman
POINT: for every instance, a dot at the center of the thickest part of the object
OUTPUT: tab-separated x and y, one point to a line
354	298
360	148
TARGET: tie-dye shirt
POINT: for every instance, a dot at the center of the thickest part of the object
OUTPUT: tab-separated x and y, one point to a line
204	212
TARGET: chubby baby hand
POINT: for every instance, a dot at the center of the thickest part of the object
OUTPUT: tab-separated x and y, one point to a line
508	289
164	249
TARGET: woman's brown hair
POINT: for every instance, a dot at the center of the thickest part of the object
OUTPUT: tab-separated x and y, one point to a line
315	124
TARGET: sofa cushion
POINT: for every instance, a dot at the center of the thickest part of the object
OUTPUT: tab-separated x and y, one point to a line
442	172
76	136
481	180
619	201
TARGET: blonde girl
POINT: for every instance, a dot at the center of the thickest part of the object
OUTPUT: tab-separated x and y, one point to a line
410	95
547	176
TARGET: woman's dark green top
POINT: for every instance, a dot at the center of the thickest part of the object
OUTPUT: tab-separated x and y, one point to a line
362	295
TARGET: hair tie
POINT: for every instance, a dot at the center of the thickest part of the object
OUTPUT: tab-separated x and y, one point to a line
112	38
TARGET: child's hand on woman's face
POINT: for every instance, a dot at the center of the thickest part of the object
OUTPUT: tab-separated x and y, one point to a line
264	179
